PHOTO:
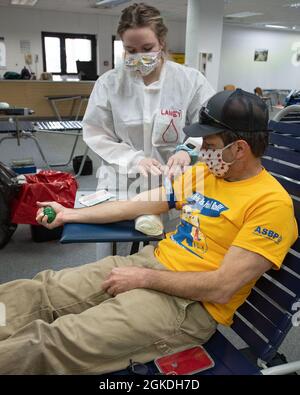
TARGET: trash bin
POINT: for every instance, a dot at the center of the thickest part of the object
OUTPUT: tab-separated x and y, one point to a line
87	169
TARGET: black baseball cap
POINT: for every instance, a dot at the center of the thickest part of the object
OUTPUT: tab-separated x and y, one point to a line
237	111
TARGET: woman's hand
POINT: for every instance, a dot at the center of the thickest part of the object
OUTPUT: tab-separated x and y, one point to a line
150	165
42	219
177	164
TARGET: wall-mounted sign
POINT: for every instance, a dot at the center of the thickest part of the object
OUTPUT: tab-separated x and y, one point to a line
261	55
25	46
204	59
296	54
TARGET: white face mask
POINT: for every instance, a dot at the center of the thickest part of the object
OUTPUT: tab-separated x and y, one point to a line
145	63
214	160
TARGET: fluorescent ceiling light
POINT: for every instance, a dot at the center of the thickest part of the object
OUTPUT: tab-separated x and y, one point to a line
294	5
109	3
277	26
24	2
245	14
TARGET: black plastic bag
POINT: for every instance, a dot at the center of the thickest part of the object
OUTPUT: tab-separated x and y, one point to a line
25	74
9	188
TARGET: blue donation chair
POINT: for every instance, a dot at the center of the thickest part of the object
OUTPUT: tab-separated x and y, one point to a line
289	114
272	308
270	311
106	233
293	98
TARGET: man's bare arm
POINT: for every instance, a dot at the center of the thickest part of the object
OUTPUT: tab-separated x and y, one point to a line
151	202
238	268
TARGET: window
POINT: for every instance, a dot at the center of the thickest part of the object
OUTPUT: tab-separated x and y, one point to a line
118	52
2	53
62	50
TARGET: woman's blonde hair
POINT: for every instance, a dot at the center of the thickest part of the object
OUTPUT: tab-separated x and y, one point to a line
143	15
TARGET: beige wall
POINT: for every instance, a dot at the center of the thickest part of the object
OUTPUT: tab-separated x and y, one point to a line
32	94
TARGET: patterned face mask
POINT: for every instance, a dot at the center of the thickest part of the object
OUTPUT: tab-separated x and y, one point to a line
214	160
145	63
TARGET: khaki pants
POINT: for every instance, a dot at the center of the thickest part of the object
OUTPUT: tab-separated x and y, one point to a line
63	323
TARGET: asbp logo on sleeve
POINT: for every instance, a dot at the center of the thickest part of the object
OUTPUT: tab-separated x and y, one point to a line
268	234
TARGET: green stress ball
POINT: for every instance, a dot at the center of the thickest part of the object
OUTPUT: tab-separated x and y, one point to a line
50	213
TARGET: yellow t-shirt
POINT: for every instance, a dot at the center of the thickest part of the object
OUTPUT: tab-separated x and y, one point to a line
255	214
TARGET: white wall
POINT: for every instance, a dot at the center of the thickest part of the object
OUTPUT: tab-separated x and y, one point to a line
237	56
237	59
16	25
204	35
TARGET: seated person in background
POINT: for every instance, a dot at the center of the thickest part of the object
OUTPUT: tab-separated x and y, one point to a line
229	88
258	91
95	318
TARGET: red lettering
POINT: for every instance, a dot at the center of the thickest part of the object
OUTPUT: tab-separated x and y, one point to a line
171	113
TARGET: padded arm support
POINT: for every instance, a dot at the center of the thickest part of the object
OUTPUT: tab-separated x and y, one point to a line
285	111
285	368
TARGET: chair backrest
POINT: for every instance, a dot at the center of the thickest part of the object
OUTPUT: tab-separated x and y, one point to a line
264	320
289	114
229	88
293	98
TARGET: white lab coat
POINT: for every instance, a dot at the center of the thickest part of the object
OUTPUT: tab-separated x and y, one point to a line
126	120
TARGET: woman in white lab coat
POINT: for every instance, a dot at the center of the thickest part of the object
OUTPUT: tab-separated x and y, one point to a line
136	113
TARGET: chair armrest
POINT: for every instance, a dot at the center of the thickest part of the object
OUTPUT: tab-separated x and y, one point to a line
285	368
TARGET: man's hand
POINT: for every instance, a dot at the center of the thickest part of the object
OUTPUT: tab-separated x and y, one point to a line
122	279
150	165
177	164
42	219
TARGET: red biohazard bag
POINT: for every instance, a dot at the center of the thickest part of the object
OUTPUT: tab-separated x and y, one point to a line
47	185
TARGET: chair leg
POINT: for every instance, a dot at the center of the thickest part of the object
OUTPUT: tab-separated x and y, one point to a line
6	138
79	109
40	150
77	135
55	110
71	155
135	247
28	135
114	248
73	106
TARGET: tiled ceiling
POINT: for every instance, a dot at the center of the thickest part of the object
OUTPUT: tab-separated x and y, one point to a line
274	12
